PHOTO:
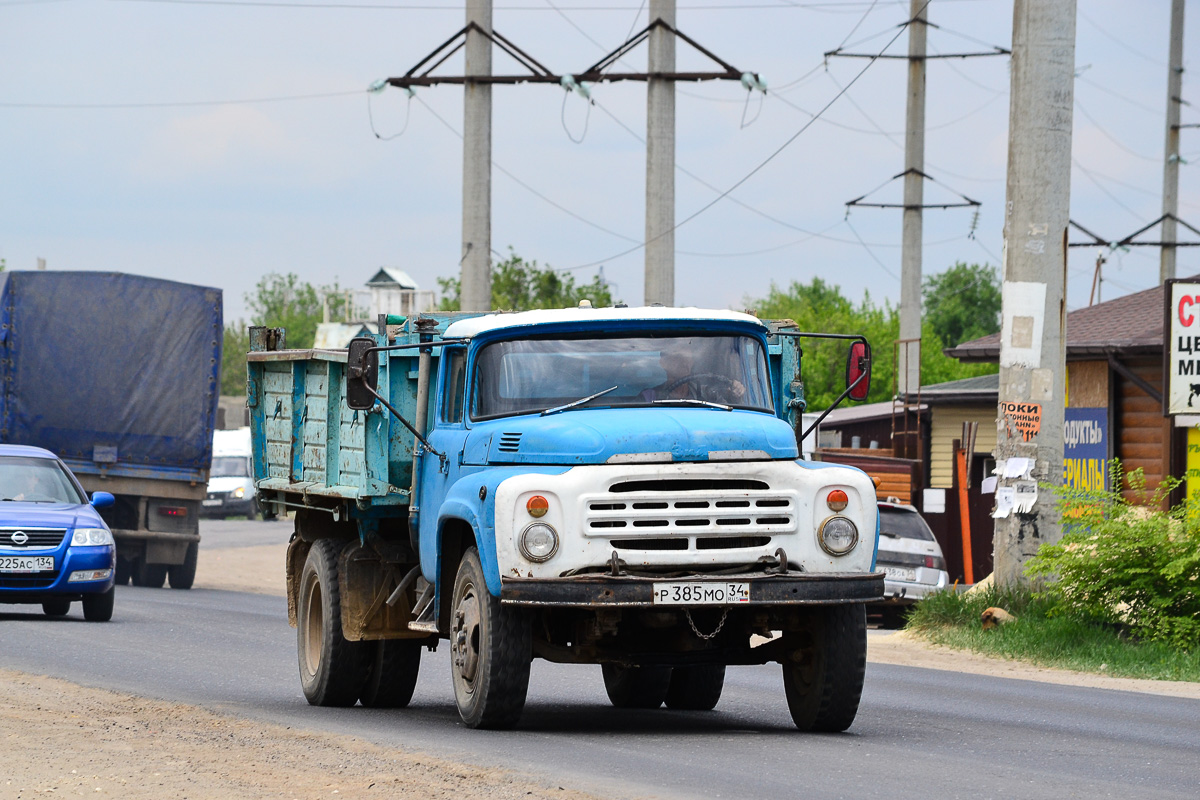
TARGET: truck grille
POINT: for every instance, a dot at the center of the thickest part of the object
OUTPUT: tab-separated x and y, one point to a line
690	514
41	539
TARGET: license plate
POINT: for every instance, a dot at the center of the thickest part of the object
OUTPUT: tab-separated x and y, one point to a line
900	573
26	563
216	502
689	593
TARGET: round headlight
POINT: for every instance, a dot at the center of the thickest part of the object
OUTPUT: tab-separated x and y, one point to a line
239	492
538	542
837	536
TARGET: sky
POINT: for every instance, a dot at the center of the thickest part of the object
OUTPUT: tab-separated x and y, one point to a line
216	141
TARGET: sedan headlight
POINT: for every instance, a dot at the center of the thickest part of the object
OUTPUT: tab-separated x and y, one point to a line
538	542
91	536
837	536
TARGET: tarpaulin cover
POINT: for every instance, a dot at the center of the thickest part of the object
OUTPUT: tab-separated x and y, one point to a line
110	368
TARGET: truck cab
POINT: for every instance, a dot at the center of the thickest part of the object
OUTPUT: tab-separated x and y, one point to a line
618	486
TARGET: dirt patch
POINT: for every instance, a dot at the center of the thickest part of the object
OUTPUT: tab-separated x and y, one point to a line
243	569
60	739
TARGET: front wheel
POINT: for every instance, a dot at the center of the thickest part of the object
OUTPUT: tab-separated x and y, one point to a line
99	607
823	668
332	669
490	649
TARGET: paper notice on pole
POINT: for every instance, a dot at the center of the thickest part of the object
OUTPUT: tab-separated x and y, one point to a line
989	485
1004	502
1018	467
1024	496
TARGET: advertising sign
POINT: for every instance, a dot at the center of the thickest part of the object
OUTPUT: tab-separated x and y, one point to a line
1085	449
1182	346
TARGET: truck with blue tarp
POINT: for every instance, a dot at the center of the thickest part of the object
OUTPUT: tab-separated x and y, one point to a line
612	486
117	375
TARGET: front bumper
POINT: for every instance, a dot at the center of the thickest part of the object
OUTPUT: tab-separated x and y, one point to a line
33	587
595	591
909	592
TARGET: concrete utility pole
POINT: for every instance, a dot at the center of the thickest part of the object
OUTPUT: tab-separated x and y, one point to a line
1033	328
476	287
660	159
1166	268
909	369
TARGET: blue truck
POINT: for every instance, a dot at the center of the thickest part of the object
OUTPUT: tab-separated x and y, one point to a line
117	375
612	486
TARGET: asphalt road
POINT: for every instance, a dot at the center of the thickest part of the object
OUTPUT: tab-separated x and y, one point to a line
919	732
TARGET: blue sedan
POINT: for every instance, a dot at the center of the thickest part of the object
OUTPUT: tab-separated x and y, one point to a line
54	547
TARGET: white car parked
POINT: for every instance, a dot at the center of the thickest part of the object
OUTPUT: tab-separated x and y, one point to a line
910	557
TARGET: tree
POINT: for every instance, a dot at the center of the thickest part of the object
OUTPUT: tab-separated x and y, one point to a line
520	285
820	307
962	303
278	301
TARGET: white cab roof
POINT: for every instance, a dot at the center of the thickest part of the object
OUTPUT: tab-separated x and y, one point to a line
468	328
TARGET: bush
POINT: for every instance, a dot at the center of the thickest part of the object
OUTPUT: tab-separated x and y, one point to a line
1132	566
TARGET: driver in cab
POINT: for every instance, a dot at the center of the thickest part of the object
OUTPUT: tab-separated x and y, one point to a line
692	378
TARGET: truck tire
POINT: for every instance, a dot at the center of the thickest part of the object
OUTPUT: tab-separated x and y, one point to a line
696	688
636	687
182	576
332	669
490	650
824	666
391	673
56	607
151	575
123	570
99	607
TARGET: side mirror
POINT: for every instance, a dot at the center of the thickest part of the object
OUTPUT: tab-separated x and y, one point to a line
102	500
362	374
858	371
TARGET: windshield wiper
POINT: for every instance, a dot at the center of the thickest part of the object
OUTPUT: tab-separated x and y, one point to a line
578	402
690	402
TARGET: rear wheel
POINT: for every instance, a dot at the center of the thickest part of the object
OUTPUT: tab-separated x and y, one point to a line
391	673
332	669
823	669
696	688
123	570
184	575
151	575
636	687
56	607
99	607
490	648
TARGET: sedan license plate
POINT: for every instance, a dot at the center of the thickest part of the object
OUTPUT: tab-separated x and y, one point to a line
26	563
900	573
215	502
689	593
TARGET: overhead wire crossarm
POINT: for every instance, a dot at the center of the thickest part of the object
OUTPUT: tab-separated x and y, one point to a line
1128	241
421	75
996	50
967	201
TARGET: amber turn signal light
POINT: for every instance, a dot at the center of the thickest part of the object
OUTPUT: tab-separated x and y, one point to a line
837	500
537	506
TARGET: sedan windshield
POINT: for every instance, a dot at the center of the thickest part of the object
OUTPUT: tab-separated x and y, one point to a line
36	480
528	376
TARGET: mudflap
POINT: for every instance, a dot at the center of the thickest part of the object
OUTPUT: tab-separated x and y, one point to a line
297	554
366	583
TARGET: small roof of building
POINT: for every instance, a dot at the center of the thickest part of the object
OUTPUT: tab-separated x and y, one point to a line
846	415
337	335
390	276
1127	325
981	388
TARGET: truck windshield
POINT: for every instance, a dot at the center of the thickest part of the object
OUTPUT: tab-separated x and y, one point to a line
36	480
526	376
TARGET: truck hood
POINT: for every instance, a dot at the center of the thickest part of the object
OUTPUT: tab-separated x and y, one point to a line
48	515
598	436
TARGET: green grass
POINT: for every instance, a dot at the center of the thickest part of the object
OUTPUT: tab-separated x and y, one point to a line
1044	636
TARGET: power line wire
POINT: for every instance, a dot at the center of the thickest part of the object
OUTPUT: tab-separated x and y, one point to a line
184	103
1109	136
